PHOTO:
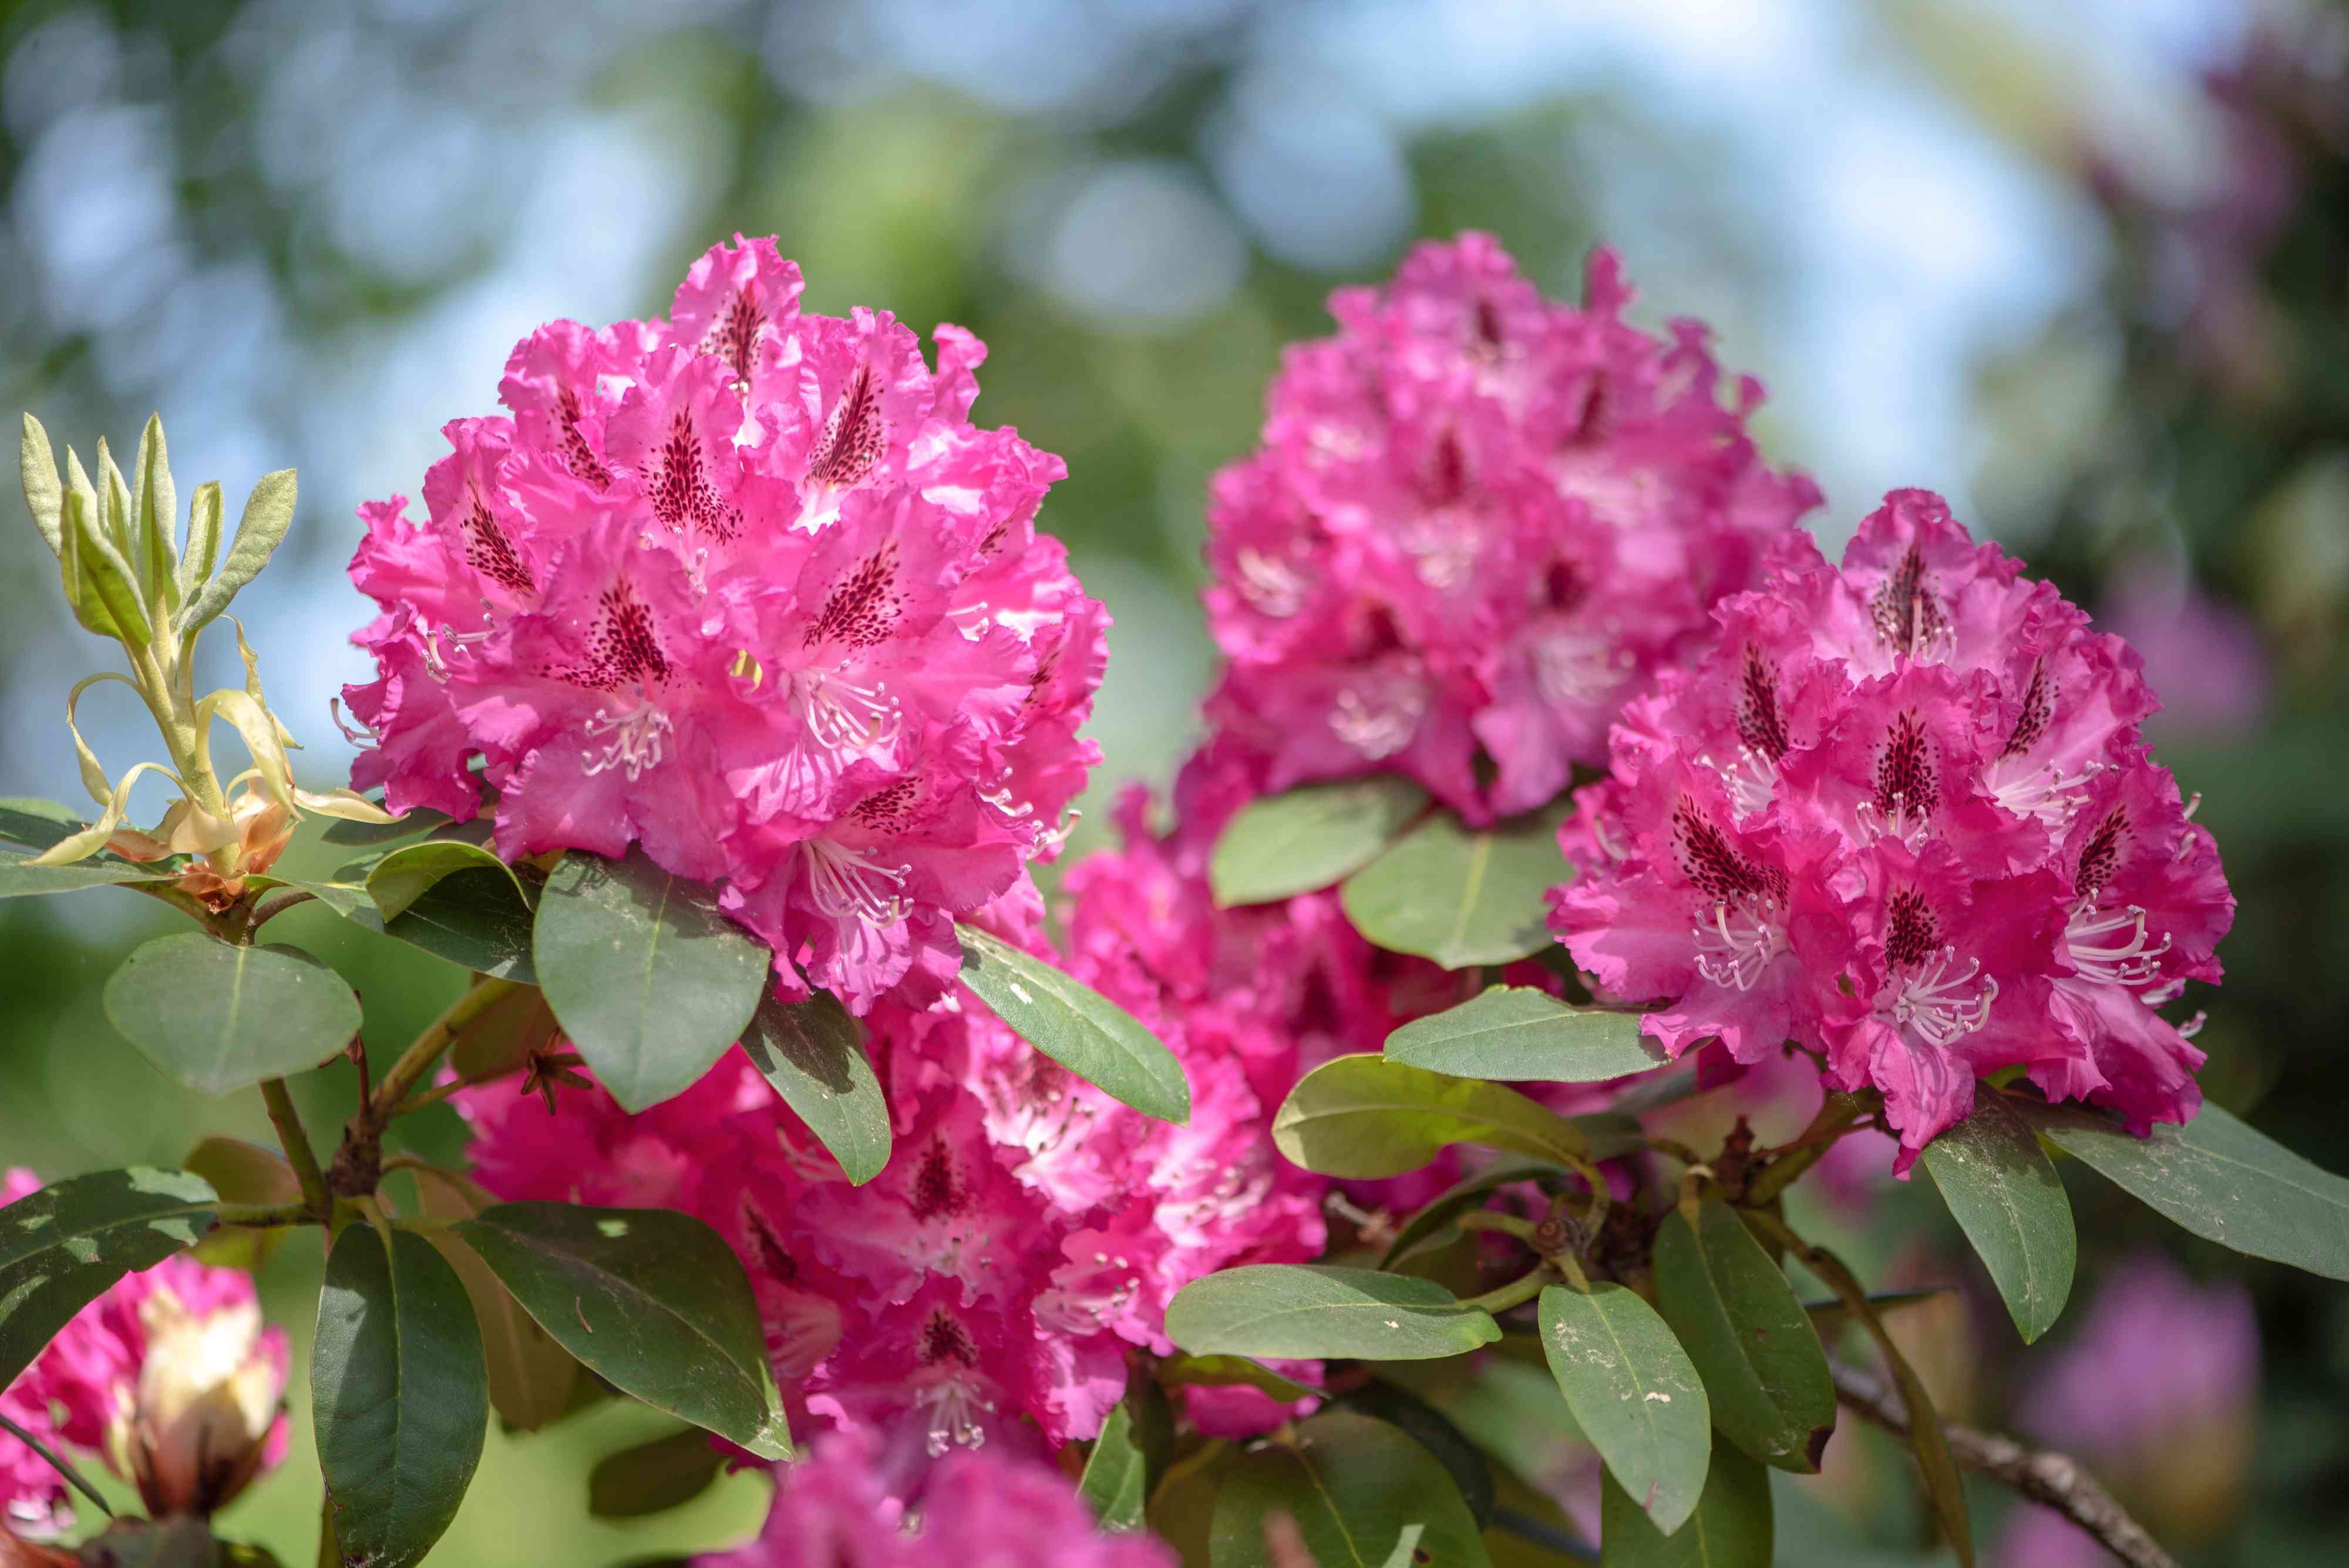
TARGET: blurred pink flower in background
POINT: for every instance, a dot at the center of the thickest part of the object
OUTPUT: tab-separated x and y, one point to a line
169	1376
2202	656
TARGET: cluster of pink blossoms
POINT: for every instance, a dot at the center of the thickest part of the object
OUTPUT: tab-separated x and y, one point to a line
1900	814
988	1284
1480	521
747	586
169	1377
985	1511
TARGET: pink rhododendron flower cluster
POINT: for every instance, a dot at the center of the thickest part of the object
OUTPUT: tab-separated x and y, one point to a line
1480	521
987	1284
169	1377
981	1510
746	586
1901	815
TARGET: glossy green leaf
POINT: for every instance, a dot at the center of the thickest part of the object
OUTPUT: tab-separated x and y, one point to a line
1765	1374
1309	838
1135	1445
1362	1117
219	1018
471	918
1359	1492
1357	1489
1078	1027
1462	896
1431	1430
1228	1371
1284	1311
348	899
268	513
654	1302
531	1376
37	824
500	1039
1634	1393
651	980
397	880
1517	1033
2218	1179
653	1477
1732	1527
399	1393
20	879
2005	1195
61	1247
812	1053
1432	1220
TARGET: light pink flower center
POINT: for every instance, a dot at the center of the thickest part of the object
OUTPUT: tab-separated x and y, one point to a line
1377	730
841	714
634	738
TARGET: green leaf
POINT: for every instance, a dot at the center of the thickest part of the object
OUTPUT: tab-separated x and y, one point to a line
1362	1117
1078	1027
2005	1195
1296	1311
62	1247
23	880
1765	1374
203	538
1361	1493
651	980
242	1172
1634	1393
408	873
1284	844
813	1053
1433	1431
43	495
268	512
38	824
1133	1451
157	529
1829	1318
420	822
2218	1179
98	584
653	1477
180	1541
1517	1033
1460	895
220	1018
501	1038
531	1376
1732	1527
1433	1221
1229	1371
399	1393
471	918
652	1301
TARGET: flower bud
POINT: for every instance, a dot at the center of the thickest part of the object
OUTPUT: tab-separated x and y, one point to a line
201	1420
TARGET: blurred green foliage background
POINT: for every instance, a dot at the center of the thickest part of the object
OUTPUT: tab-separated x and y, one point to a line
2089	276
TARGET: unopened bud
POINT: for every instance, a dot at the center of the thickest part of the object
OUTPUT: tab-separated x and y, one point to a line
199	1424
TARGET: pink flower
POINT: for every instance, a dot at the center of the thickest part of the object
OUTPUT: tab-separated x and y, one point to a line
746	588
1900	815
1480	522
169	1376
986	1509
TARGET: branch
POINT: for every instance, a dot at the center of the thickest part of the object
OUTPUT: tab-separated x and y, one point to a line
296	1144
2053	1479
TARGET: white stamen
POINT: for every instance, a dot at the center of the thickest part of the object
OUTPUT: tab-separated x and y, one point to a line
842	714
1935	998
955	1410
639	738
2193	1026
1752	780
354	733
2045	791
2113	946
1737	943
1275	587
1897	824
1377	734
847	884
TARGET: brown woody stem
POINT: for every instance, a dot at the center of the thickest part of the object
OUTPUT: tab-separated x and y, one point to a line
2053	1479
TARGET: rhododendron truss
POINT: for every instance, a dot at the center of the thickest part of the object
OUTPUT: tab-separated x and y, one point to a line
747	586
1901	815
1480	522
